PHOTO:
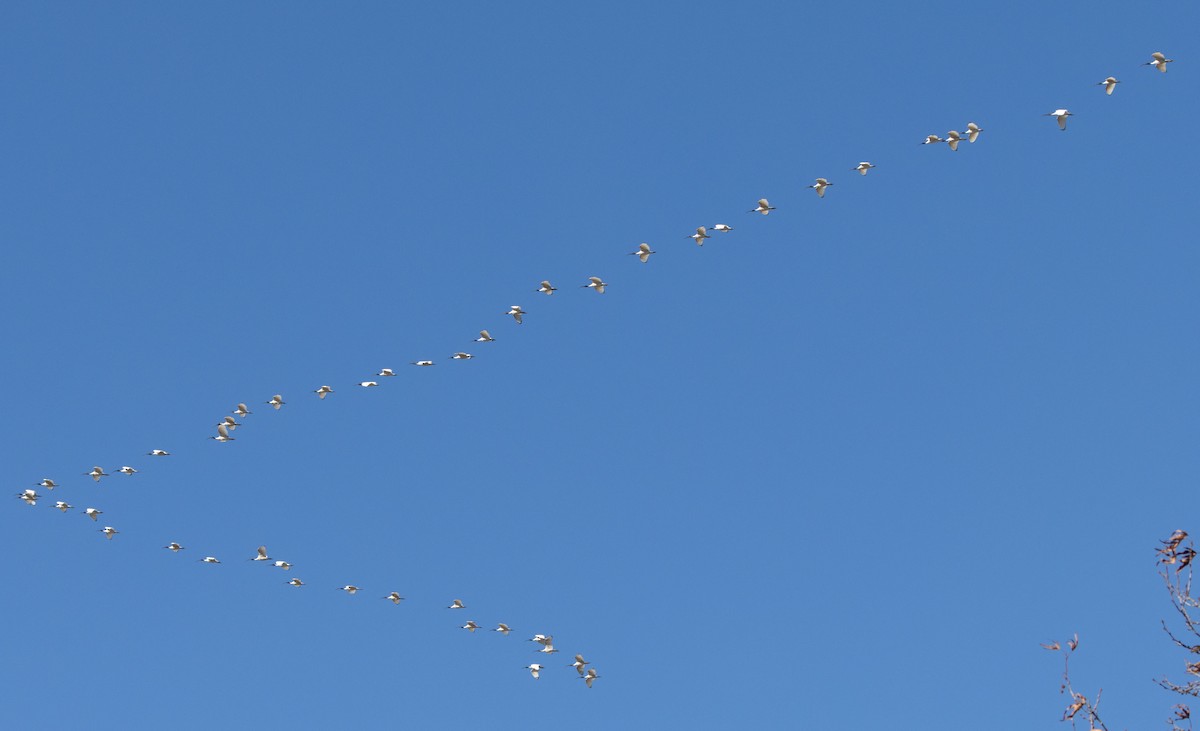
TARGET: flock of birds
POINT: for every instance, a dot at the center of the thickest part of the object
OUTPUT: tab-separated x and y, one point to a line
228	424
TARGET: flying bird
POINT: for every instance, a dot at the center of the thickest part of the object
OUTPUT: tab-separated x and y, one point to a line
349	589
644	251
283	565
516	312
457	604
386	372
820	186
109	531
368	384
241	410
579	664
952	139
591	675
547	287
63	506
47	483
503	629
973	131
159	453
863	167
486	337
395	597
208	559
323	391
127	470
230	423
470	626
422	363
222	433
97	473
534	670
763	207
722	227
295	582
173	547
1159	61
932	140
700	235
277	401
260	555
1109	84
595	283
462	356
93	513
30	496
1061	115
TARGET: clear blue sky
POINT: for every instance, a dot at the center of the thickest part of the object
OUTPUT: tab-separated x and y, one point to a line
846	465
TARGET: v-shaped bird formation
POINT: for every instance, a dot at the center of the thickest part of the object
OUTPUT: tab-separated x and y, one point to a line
228	424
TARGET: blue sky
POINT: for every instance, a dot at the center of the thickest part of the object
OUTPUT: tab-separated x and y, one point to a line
849	462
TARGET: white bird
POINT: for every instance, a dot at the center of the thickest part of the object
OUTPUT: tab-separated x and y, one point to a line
173	547
47	483
1159	61
109	531
93	513
863	167
368	384
260	555
470	626
295	582
159	453
486	337
222	433
422	363
208	559
349	589
579	663
283	565
763	207
542	639
230	423
595	283
29	496
644	251
534	670
63	506
323	391
722	227
820	186
548	650
516	312
1109	84
547	288
503	629
932	140
276	401
97	473
395	597
952	139
1061	115
700	235
241	410
973	131
462	356
457	604
388	372
591	675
